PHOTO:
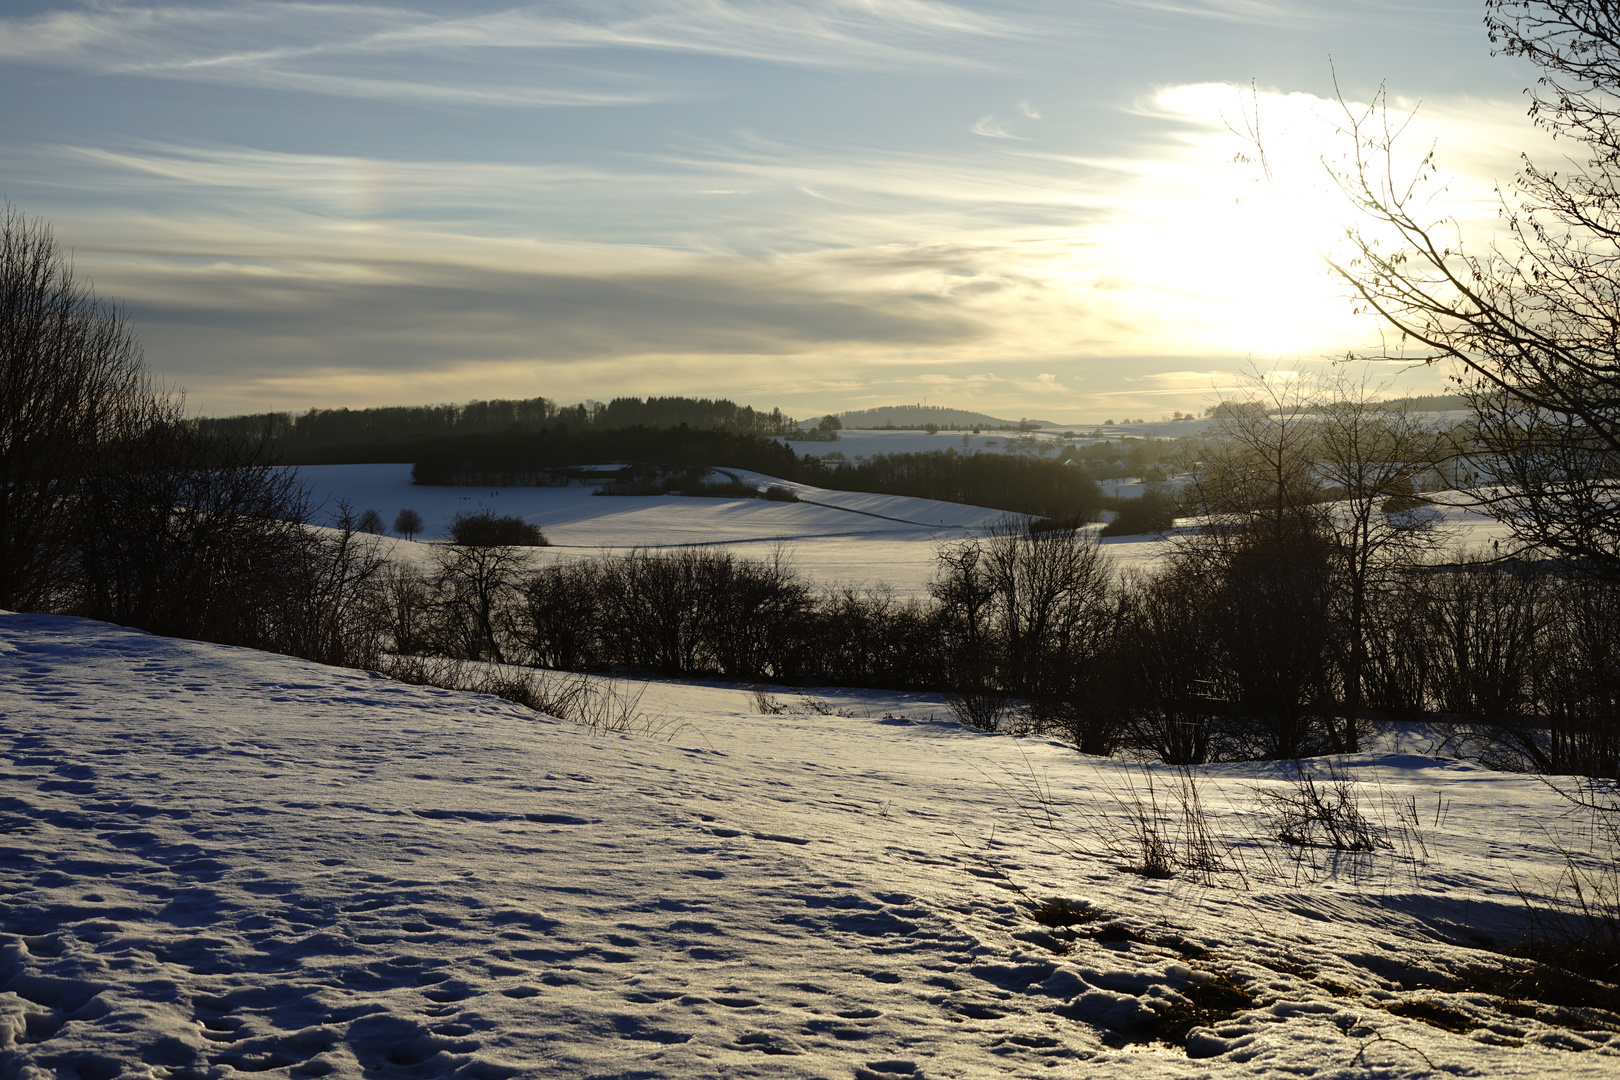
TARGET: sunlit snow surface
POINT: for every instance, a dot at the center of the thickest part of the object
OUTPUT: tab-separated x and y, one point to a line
213	859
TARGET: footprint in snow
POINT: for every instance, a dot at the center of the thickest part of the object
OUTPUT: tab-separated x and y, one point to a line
557	819
886	1070
767	1043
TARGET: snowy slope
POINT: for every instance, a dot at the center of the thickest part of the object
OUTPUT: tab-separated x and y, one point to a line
833	536
213	859
575	517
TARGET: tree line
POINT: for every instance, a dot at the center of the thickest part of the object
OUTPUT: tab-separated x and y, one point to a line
341	436
1035	486
1233	650
999	481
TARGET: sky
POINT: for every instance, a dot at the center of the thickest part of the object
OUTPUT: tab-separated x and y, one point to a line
1033	208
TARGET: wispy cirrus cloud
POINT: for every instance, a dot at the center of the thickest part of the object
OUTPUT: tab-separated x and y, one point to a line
992	128
1260	12
382	52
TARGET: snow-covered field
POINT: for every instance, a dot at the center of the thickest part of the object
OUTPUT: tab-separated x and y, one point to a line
216	860
832	536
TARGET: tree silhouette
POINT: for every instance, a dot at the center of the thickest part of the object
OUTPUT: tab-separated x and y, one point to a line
1531	321
408	523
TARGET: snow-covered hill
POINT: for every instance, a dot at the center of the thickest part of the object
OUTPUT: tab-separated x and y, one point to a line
574	516
216	860
832	536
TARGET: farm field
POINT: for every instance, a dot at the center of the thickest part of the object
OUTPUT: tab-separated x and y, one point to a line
833	537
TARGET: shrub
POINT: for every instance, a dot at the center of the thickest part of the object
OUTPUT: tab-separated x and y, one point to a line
1154	512
483	529
1164	673
981	708
1025	615
729	488
473	596
1065	523
1322	812
560	622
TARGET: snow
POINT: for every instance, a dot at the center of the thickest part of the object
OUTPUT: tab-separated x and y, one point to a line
573	516
832	537
213	859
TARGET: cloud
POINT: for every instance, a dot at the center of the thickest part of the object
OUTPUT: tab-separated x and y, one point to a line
1268	13
991	128
407	316
1043	383
1166	382
380	52
290	311
297	275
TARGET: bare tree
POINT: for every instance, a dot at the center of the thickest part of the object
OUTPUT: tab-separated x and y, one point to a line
1368	453
1263	545
184	535
475	590
1314	475
1533	321
1257	479
1028	615
71	373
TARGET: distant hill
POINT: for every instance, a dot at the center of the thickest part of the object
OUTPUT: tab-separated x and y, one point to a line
916	416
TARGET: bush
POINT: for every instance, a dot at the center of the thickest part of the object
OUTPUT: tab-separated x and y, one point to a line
484	529
1154	512
1164	673
728	488
1025	615
687	612
1323	812
1066	523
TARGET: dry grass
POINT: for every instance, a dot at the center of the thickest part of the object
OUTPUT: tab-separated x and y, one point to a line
599	703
